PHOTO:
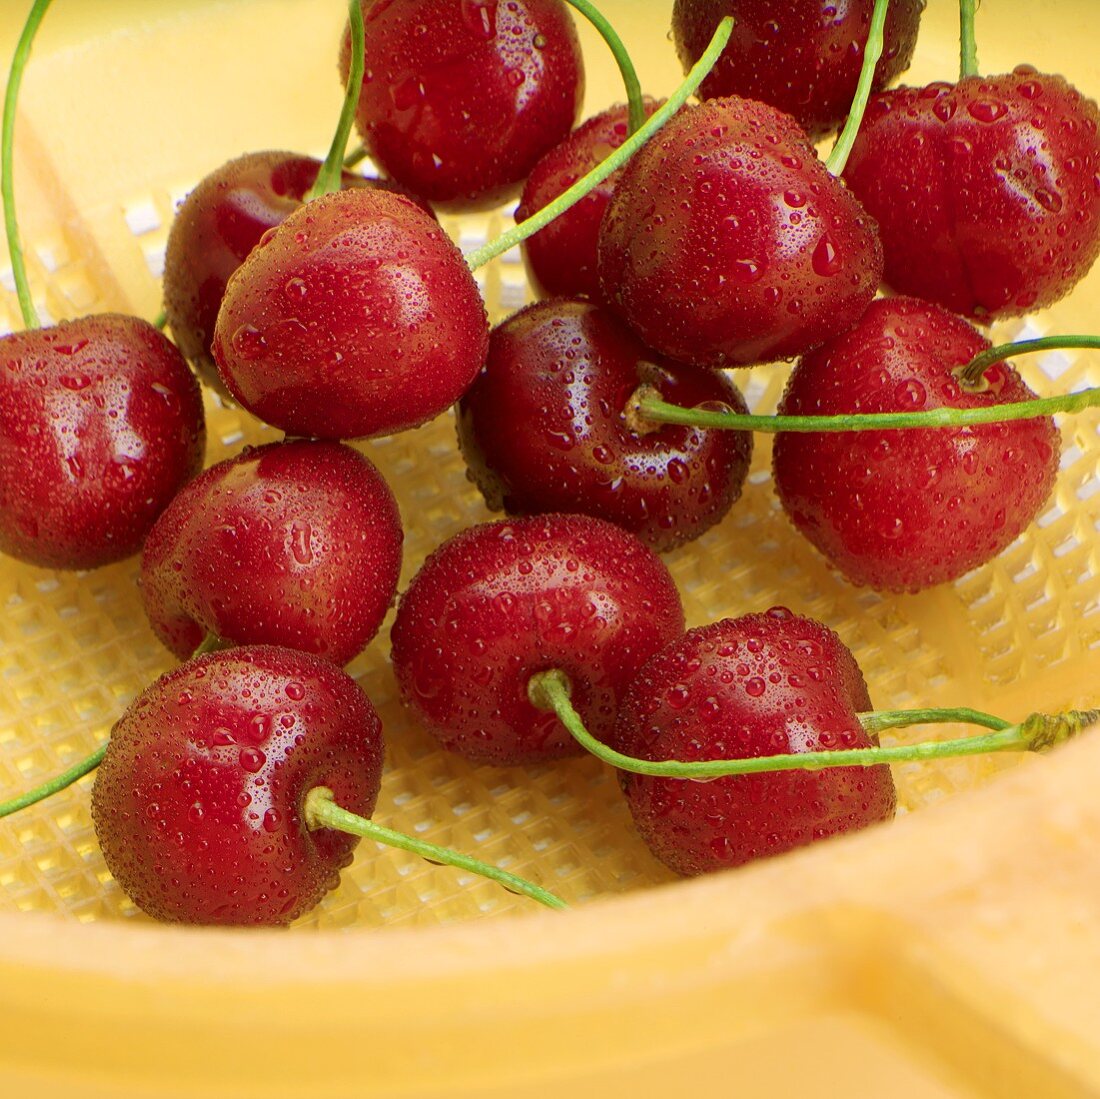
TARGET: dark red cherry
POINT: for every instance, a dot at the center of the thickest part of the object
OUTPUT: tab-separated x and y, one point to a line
987	193
101	424
802	56
295	544
561	259
764	684
547	426
461	97
357	316
727	242
502	601
198	804
217	226
904	510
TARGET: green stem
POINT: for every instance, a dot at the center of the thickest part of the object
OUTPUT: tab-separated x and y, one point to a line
160	320
328	178
880	720
356	156
971	374
7	144
58	782
968	46
550	690
321	811
622	59
615	161
871	54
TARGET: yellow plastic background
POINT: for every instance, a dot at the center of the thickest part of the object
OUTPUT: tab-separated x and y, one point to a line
954	953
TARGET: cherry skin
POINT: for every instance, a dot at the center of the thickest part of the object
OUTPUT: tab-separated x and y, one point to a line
566	371
985	192
502	601
460	100
764	684
905	510
357	316
727	242
101	424
198	803
561	260
215	229
295	544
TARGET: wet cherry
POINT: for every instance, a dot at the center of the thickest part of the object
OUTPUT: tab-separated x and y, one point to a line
727	242
501	601
904	510
567	371
295	544
215	229
199	802
760	685
460	100
985	191
802	56
357	316
101	424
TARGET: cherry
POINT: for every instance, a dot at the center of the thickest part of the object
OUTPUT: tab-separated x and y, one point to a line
985	191
459	100
101	424
567	372
726	242
199	801
504	600
803	56
561	259
357	316
295	544
753	686
215	229
904	510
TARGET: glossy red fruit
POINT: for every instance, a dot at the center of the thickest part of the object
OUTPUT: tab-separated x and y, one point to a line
728	243
764	684
101	424
357	316
548	426
802	56
502	601
295	544
986	192
217	226
461	97
905	510
561	260
198	804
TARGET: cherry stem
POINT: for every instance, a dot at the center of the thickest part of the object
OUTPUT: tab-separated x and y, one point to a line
636	108
871	54
329	177
7	145
968	46
616	160
321	811
971	374
356	156
550	690
160	320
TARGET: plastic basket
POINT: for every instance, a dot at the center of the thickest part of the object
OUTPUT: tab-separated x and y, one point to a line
953	953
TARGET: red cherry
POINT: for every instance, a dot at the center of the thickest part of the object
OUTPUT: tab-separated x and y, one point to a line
760	685
566	372
802	56
561	259
357	316
727	242
460	100
101	423
904	510
198	803
215	229
295	544
504	600
985	192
